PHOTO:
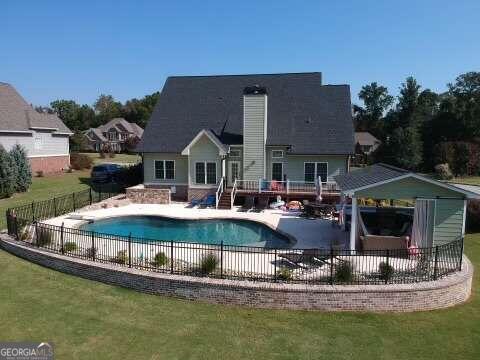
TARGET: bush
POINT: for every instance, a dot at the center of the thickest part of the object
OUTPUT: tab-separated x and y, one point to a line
344	272
386	271
70	246
130	175
208	263
443	172
80	161
21	167
284	274
91	252
473	216
7	175
160	259
121	258
44	237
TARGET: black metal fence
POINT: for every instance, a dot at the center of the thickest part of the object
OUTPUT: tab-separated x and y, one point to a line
313	266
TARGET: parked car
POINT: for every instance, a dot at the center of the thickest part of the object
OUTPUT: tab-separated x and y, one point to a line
105	172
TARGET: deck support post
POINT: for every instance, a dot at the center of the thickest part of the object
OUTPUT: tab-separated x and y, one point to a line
353	224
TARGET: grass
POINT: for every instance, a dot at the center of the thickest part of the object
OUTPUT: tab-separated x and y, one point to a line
470	180
90	320
47	187
118	159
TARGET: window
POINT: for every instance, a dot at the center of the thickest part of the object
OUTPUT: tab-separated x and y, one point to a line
277	171
164	169
235	153
277	154
315	170
234	171
205	173
38	142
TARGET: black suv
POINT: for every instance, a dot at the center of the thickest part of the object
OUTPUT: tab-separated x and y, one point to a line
105	172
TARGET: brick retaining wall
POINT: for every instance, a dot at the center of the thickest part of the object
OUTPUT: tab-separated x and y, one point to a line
449	291
49	164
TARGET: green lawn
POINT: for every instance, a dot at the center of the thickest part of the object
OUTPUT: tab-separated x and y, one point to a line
44	188
119	158
90	320
471	180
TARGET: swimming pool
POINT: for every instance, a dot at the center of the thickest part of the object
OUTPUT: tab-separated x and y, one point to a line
211	231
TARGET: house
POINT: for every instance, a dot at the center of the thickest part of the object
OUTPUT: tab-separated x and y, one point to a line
44	136
366	143
113	135
272	134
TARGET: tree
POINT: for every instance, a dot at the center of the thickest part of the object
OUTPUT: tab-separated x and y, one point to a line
67	111
407	107
376	102
21	168
78	142
106	108
7	184
139	111
403	148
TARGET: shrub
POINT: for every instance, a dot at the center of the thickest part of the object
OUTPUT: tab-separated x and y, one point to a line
473	216
80	161
344	272
160	259
7	175
386	271
91	252
40	173
44	237
443	172
208	263
121	258
22	170
130	175
284	274
70	246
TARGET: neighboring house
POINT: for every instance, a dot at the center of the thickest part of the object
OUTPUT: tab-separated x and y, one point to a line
288	128
113	134
366	143
44	136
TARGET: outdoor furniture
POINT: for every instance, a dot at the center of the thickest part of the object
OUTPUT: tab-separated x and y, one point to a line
307	256
262	204
319	210
195	202
210	200
248	204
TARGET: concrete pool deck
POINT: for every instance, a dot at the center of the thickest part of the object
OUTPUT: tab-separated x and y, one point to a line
308	233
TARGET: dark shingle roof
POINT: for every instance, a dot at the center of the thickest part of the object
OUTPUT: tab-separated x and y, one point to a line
368	176
312	118
17	115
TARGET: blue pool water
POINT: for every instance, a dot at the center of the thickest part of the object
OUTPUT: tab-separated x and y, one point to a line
232	232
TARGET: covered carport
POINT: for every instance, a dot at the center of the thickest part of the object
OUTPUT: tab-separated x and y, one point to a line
439	208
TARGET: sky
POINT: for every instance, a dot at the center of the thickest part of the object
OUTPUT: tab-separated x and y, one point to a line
80	49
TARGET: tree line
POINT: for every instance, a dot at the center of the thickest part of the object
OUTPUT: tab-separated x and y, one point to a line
421	129
79	117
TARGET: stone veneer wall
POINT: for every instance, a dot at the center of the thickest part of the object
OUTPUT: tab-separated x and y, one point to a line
141	195
181	193
49	164
446	292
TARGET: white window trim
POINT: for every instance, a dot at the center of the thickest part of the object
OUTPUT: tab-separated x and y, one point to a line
230	169
164	170
315	171
205	175
271	175
278	157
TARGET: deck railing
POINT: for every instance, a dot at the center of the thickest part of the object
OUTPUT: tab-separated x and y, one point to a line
286	187
219	192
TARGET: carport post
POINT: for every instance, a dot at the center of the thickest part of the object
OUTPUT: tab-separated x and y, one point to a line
353	225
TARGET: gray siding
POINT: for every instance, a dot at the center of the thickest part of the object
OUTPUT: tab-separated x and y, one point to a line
294	165
40	143
448	220
254	137
203	150
181	168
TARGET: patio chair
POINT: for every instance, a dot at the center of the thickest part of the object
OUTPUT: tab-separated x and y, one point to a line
196	202
248	205
210	200
307	256
262	204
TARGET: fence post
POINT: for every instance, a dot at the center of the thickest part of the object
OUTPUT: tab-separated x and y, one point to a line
288	186
55	206
435	267
171	256
36	234
93	246
90	196
73	199
331	265
275	266
221	259
62	249
461	255
388	264
33	211
16	226
130	250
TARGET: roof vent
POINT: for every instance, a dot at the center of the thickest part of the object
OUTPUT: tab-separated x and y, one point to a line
255	90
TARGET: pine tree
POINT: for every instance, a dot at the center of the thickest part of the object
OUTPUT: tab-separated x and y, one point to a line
7	184
22	170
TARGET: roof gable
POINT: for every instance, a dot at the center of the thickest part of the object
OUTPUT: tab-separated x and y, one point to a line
311	118
222	149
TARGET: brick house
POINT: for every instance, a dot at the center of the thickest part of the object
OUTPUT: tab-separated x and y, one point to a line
113	134
44	136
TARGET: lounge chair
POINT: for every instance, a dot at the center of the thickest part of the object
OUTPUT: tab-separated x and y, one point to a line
210	200
262	204
195	202
248	205
307	257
